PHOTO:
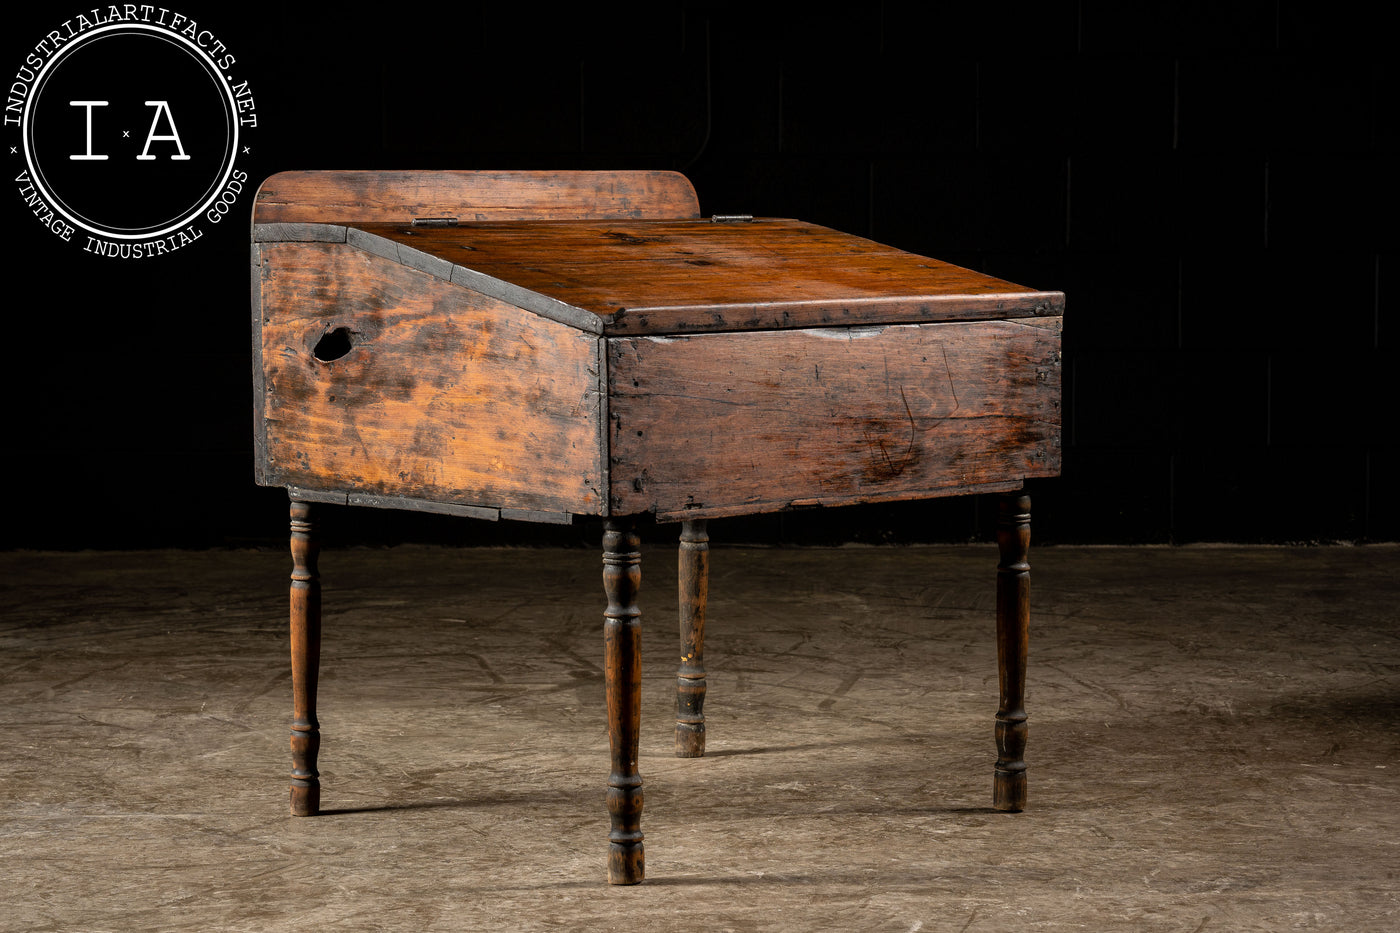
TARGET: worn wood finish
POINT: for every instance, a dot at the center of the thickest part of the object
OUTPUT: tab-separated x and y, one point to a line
622	625
300	233
1013	628
306	661
693	565
718	424
536	345
259	377
398	197
384	380
694	276
407	253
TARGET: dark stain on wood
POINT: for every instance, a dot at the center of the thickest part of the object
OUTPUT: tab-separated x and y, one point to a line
839	416
884	440
685	276
329	197
577	342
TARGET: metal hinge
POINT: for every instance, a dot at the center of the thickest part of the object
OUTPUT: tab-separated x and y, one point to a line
435	221
731	218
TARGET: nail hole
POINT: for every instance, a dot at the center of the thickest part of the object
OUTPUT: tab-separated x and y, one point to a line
333	345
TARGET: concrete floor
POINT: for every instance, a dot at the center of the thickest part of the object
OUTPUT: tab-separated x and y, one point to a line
1215	744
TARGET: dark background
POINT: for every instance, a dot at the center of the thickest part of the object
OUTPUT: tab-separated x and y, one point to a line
1212	184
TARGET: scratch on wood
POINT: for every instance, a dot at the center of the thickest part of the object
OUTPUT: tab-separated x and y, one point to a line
845	333
948	371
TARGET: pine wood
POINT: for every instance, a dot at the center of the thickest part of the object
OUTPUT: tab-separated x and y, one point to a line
399	197
543	345
694	276
444	394
722	424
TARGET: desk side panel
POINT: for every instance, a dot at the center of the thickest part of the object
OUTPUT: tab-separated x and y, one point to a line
717	424
442	394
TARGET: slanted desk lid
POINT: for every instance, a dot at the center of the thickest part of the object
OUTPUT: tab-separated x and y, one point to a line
626	253
695	276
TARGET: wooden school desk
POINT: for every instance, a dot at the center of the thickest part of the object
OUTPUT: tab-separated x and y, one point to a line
538	346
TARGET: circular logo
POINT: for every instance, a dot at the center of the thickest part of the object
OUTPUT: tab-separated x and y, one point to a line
130	130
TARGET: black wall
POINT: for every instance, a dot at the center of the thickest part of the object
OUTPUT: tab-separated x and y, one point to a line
1212	184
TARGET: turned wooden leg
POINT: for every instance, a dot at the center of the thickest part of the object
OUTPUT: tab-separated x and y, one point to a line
622	629
306	661
1013	629
694	566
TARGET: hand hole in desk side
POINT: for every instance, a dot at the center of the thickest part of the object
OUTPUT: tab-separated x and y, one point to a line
333	345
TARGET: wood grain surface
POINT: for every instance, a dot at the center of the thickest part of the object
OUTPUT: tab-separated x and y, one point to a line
443	394
717	424
574	353
337	197
693	276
